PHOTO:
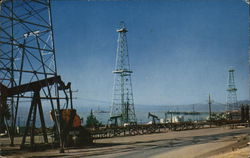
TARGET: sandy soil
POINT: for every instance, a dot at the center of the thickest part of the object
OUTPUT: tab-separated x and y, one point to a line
192	143
218	149
240	153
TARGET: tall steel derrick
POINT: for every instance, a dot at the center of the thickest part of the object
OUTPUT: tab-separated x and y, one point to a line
232	103
28	72
248	2
123	101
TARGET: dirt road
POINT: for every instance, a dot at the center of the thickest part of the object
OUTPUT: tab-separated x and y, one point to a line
188	144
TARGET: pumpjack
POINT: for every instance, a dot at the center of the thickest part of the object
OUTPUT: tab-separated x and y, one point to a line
154	118
114	119
66	120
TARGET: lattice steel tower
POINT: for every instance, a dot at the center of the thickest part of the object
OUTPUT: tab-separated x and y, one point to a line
248	2
123	102
28	70
232	103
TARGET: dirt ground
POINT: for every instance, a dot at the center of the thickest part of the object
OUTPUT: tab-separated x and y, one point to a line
227	147
240	153
212	143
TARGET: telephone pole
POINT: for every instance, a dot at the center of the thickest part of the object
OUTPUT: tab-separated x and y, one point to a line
210	111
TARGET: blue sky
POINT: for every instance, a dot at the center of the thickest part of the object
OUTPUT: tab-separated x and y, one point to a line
180	50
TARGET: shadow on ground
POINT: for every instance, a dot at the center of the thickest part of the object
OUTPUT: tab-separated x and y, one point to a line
129	149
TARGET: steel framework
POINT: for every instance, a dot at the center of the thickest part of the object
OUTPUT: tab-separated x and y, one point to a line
123	102
27	55
248	2
232	103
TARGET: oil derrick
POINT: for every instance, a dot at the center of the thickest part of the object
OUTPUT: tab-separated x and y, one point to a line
123	102
232	103
28	72
248	2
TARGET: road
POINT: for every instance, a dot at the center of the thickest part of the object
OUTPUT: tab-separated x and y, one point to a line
188	144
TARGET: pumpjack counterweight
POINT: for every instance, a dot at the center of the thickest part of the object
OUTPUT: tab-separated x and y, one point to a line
123	101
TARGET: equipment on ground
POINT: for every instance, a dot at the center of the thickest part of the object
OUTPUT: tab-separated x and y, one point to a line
114	120
74	133
154	118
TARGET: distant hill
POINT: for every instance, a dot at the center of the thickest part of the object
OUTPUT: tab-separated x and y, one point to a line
244	102
200	107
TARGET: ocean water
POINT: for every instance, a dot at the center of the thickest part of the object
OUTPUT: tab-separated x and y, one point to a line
83	112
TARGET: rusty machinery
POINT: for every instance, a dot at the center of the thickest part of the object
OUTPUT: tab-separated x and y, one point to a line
74	134
245	113
35	88
36	103
67	118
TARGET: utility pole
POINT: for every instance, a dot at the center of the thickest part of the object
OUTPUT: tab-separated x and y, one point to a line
171	117
165	117
209	107
193	115
123	101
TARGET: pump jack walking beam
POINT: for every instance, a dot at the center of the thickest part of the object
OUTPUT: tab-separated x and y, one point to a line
36	103
33	86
